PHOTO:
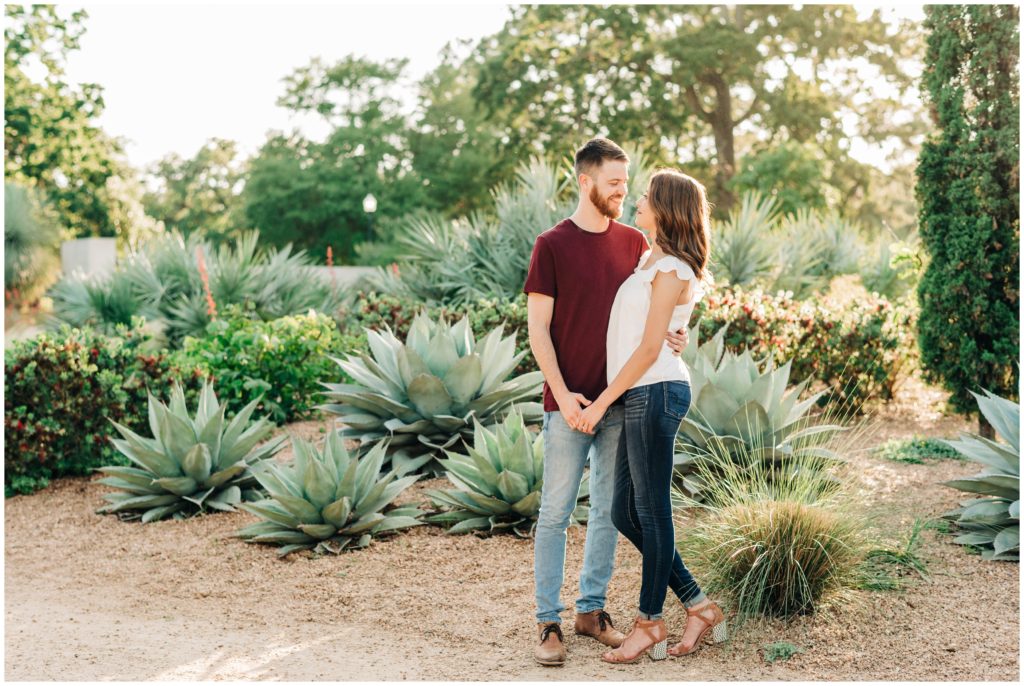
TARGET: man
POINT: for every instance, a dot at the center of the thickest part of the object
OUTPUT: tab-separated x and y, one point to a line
575	271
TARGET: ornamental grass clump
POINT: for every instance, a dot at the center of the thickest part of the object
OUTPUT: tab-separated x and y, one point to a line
423	396
498	482
774	546
193	464
328	501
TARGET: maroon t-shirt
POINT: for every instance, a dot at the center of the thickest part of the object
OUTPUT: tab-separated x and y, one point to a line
582	271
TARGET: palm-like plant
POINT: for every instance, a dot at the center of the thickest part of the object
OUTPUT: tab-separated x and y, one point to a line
328	501
454	262
498	482
192	464
422	396
800	256
992	522
162	282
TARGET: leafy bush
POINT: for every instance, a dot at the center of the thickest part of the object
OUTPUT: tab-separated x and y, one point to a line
163	282
62	392
192	464
282	360
861	349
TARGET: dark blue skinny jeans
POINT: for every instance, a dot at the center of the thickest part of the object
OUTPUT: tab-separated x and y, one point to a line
642	503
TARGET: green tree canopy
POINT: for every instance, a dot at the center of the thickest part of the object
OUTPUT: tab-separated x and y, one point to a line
51	140
201	194
693	81
311	193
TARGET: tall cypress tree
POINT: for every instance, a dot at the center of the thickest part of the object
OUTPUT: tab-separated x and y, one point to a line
968	186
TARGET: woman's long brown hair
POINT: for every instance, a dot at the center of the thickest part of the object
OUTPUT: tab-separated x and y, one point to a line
683	216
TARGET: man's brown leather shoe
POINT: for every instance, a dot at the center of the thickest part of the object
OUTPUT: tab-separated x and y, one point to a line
598	624
551	650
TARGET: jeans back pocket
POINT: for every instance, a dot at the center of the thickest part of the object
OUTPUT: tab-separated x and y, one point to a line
677	399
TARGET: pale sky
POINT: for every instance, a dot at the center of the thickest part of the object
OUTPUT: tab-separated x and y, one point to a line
177	75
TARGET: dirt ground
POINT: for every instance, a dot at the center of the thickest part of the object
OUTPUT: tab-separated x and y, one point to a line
90	598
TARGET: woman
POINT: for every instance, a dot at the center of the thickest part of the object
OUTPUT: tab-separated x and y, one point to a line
658	297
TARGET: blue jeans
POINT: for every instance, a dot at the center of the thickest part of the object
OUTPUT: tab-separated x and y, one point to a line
642	504
565	455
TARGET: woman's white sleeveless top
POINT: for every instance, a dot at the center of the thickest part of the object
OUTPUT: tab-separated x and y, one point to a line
629	317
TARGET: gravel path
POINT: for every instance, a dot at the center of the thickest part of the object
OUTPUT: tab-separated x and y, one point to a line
91	598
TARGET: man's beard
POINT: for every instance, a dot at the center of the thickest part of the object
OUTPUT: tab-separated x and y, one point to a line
604	205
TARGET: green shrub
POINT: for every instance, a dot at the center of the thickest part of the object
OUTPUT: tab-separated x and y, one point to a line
283	360
63	389
861	349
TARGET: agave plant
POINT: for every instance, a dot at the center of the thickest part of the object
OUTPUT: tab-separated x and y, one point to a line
423	396
192	464
741	406
991	523
327	500
498	483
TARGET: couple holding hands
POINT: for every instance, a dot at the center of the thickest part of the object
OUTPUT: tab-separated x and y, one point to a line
591	279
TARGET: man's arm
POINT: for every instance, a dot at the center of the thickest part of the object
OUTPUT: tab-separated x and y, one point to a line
539	308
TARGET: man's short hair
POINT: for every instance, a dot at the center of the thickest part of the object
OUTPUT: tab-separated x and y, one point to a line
594	153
